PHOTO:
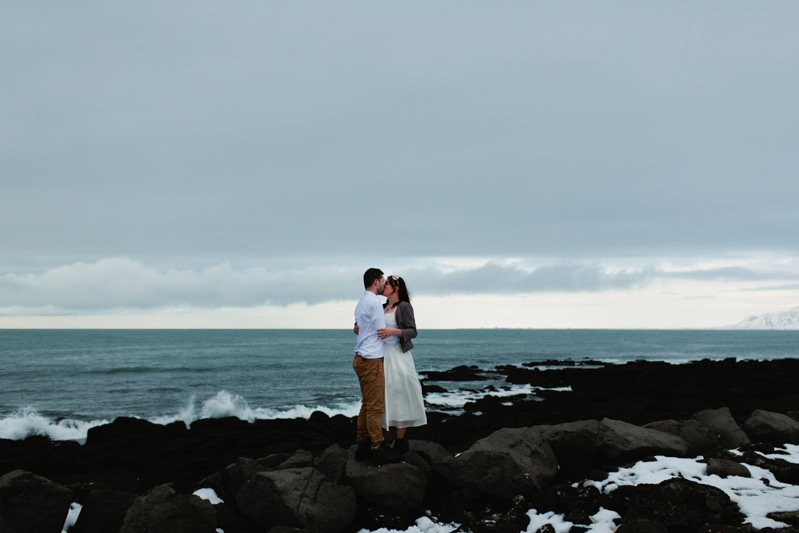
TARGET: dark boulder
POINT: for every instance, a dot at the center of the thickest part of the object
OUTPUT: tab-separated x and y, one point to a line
619	441
678	504
642	525
725	468
163	509
507	463
724	426
32	504
574	444
298	497
699	438
332	462
103	511
398	487
776	428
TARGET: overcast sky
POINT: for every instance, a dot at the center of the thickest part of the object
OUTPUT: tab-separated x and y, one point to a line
521	164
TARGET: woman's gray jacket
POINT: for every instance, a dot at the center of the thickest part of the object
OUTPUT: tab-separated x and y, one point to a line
406	323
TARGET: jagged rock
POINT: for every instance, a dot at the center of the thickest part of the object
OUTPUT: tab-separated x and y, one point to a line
721	528
776	428
619	441
299	459
783	470
163	509
678	504
127	430
726	468
398	487
723	425
103	511
574	443
791	518
437	458
376	518
432	452
296	497
642	526
507	463
565	498
32	504
332	462
228	519
273	462
459	373
235	476
699	438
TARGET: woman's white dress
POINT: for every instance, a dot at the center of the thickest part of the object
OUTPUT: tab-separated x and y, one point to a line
404	405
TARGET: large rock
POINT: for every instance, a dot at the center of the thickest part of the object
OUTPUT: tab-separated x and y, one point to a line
776	428
678	504
574	443
508	462
332	462
436	458
163	509
32	504
301	497
398	487
619	441
236	475
724	426
103	511
725	468
699	438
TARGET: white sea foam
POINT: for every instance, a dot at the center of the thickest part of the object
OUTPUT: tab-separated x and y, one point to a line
457	399
225	404
28	421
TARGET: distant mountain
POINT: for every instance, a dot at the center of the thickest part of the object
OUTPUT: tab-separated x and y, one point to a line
786	320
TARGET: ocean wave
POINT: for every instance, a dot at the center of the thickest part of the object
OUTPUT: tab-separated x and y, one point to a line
455	400
27	421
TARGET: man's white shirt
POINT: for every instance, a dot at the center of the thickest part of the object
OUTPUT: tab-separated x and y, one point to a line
370	317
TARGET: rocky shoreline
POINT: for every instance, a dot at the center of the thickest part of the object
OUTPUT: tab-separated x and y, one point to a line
484	468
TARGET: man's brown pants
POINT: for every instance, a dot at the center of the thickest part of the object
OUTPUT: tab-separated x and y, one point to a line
373	389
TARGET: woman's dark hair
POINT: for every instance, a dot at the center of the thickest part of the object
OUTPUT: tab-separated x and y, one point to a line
402	289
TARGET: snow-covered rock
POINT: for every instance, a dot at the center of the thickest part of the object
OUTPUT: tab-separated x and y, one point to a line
785	320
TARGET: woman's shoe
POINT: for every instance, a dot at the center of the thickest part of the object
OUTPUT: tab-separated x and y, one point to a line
400	446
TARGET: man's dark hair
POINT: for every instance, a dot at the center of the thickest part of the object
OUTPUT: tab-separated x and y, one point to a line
370	276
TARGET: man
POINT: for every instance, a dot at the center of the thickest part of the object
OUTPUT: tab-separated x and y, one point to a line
368	365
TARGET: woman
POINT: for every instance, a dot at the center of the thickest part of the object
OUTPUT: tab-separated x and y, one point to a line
404	405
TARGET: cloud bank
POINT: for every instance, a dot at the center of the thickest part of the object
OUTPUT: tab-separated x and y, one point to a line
115	284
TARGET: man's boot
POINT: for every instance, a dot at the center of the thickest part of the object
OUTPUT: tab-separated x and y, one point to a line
382	455
364	451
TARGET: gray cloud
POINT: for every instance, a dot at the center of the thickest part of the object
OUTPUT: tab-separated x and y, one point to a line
116	284
282	130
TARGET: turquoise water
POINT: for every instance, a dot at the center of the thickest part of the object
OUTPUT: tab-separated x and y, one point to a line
87	376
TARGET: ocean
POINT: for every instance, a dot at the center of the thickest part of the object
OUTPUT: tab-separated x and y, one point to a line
60	383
